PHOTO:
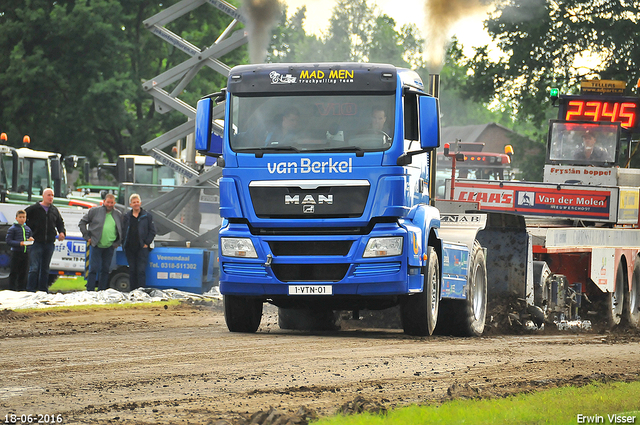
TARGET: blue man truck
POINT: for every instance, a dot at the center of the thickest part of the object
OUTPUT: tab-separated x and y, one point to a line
326	202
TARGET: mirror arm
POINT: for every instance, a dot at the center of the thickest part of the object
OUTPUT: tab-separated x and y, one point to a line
405	158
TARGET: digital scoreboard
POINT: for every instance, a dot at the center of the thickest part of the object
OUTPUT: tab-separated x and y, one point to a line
625	110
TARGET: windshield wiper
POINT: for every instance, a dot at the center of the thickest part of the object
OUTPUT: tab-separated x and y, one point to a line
357	149
260	151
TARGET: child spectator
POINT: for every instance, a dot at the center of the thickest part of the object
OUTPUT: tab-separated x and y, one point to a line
17	237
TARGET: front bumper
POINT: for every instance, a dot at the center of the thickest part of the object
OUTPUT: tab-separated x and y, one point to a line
303	259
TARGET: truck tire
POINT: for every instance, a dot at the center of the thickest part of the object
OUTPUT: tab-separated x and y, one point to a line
119	279
5	257
306	320
467	317
242	314
632	298
615	299
419	312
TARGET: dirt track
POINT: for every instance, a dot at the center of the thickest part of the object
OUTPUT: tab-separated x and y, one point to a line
181	365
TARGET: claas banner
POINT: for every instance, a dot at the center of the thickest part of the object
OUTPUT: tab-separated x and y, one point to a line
549	200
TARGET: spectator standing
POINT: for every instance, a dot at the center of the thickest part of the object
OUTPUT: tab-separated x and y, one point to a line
101	227
17	237
139	232
46	224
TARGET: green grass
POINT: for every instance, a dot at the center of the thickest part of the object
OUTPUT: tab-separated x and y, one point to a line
554	406
68	284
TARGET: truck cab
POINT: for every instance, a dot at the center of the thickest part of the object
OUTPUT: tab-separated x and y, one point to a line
144	175
30	172
326	193
473	163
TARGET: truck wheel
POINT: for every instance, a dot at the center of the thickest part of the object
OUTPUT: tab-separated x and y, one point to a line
632	298
5	257
119	280
306	320
615	299
467	317
242	314
419	312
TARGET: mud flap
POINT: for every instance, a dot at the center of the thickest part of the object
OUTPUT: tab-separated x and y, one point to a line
509	257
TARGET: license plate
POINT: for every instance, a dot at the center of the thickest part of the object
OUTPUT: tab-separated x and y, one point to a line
310	290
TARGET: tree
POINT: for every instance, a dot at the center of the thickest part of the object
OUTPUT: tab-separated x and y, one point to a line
350	28
456	108
357	32
545	43
288	37
73	72
553	43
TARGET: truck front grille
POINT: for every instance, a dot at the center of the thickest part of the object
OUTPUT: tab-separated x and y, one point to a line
310	272
292	202
299	248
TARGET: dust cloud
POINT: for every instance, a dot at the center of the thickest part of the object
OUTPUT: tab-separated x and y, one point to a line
441	16
262	15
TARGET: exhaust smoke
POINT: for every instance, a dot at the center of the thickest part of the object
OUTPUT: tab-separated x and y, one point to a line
441	16
262	16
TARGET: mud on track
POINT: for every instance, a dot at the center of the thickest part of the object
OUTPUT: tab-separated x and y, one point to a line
181	365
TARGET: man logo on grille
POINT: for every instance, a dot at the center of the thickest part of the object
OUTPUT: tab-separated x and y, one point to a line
308	209
308	199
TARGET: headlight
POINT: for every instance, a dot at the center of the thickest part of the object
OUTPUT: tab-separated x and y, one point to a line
238	247
383	247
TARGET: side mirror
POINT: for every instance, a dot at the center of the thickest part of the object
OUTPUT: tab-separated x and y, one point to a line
125	170
55	168
204	119
204	124
56	176
16	166
429	122
86	170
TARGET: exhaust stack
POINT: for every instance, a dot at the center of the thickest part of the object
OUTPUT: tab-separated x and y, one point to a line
434	85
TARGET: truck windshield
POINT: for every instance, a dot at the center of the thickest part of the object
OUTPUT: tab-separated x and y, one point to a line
40	173
581	143
154	174
312	123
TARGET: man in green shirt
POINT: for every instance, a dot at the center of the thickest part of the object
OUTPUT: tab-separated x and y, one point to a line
102	229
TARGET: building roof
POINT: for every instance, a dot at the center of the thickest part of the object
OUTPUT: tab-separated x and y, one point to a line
493	136
469	133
